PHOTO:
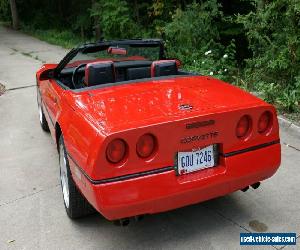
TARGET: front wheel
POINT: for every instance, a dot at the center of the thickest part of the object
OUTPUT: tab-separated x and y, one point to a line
75	204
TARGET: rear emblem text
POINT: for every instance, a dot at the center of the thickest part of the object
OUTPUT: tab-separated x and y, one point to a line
206	136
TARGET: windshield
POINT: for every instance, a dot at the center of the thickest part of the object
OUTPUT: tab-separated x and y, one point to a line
122	52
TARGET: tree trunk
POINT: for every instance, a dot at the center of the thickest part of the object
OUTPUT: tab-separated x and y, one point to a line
183	4
97	29
82	32
14	14
96	25
136	11
61	10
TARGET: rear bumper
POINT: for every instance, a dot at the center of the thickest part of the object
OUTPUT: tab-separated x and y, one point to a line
160	192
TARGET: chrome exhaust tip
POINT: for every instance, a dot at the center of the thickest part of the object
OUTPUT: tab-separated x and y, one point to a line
245	189
255	185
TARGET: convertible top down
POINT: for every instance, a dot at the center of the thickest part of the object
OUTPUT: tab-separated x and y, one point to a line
138	135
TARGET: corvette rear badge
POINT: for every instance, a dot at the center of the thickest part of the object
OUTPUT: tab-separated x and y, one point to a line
200	124
210	135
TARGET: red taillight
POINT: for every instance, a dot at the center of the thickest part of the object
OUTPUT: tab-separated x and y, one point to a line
146	145
264	122
243	127
116	151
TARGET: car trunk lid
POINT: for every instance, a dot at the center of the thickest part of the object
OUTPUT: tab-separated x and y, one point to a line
158	101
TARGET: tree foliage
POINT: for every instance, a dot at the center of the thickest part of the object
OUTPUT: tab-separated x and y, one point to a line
273	32
252	43
195	29
5	14
115	19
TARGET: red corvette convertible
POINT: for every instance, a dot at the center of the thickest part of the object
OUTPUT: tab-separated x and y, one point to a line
137	135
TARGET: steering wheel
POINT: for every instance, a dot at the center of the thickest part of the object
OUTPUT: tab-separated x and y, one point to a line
75	75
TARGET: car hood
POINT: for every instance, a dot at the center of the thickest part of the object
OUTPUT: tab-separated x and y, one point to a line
139	104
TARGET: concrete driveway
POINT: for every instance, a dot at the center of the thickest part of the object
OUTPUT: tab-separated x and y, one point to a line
32	214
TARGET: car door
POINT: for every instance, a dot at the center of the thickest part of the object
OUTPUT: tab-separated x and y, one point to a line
51	92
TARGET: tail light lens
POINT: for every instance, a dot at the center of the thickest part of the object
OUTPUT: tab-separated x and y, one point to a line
243	127
116	151
264	122
146	145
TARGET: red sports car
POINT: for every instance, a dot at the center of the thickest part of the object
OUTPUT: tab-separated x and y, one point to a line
137	135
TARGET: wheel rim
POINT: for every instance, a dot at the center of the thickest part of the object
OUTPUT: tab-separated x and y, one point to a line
41	114
64	176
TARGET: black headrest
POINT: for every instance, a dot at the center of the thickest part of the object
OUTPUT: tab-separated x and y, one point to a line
138	73
99	73
164	68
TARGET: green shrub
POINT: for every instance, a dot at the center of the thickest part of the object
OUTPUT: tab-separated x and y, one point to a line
193	37
274	39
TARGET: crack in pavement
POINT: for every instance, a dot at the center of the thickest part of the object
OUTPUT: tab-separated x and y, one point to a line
22	87
29	54
291	146
28	195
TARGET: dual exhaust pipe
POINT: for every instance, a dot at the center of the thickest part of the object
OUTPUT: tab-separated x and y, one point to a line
254	186
125	222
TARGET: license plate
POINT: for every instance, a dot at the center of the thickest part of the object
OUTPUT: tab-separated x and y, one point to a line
191	161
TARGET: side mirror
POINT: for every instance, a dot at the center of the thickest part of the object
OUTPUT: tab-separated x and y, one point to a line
117	51
47	74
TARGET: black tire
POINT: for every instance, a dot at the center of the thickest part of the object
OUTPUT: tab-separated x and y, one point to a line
77	206
42	118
